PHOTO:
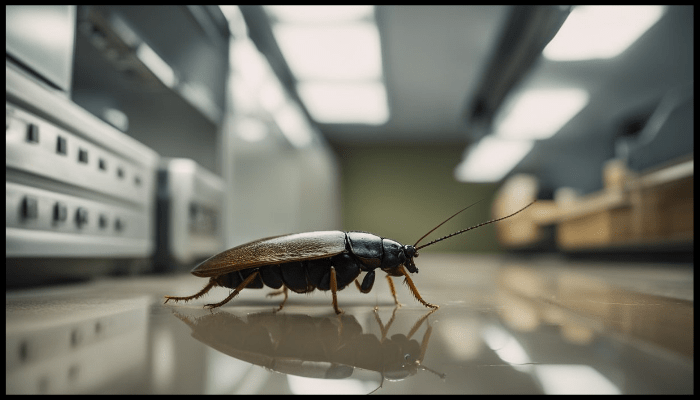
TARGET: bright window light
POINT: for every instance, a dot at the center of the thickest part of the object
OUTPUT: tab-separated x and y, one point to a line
599	32
328	102
323	14
339	52
539	114
491	159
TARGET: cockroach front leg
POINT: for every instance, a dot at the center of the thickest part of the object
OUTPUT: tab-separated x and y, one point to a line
414	290
393	291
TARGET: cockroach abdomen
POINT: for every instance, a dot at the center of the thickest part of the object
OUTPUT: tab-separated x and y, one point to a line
294	276
316	270
347	269
272	276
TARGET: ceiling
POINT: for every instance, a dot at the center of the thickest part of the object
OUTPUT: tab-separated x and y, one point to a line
432	58
435	57
624	91
439	60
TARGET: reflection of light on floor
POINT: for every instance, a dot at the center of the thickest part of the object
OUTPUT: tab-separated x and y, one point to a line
518	313
164	359
507	348
302	385
554	378
462	337
573	379
577	334
228	375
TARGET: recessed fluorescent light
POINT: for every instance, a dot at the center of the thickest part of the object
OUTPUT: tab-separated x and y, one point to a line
599	32
324	14
491	159
343	51
335	56
362	103
540	113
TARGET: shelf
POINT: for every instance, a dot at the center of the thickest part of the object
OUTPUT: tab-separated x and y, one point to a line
633	211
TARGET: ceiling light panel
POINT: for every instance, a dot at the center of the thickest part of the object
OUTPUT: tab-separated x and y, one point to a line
540	113
600	32
363	102
320	14
335	55
491	159
348	51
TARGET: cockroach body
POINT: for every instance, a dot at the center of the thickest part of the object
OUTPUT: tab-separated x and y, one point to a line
303	262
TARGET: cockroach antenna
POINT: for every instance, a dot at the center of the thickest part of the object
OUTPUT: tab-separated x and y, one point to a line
473	227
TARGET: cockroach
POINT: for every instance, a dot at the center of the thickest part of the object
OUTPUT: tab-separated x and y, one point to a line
324	260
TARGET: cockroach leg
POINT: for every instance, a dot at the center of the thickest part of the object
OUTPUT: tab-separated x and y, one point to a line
382	328
357	285
235	292
334	289
283	290
279	292
414	290
419	323
201	293
393	291
424	343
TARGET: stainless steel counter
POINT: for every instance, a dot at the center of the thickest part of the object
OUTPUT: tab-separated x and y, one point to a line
504	325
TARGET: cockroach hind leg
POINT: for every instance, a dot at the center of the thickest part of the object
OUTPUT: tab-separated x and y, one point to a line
199	294
233	294
278	292
286	296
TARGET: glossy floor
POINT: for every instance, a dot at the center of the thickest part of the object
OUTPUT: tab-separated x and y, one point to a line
537	326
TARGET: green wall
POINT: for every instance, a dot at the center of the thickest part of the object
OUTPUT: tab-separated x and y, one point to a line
401	192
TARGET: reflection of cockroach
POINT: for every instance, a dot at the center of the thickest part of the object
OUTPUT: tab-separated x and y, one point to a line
314	347
302	262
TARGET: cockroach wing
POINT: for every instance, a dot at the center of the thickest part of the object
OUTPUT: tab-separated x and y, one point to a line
273	250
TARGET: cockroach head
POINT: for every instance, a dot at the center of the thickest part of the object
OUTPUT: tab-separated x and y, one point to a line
410	252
